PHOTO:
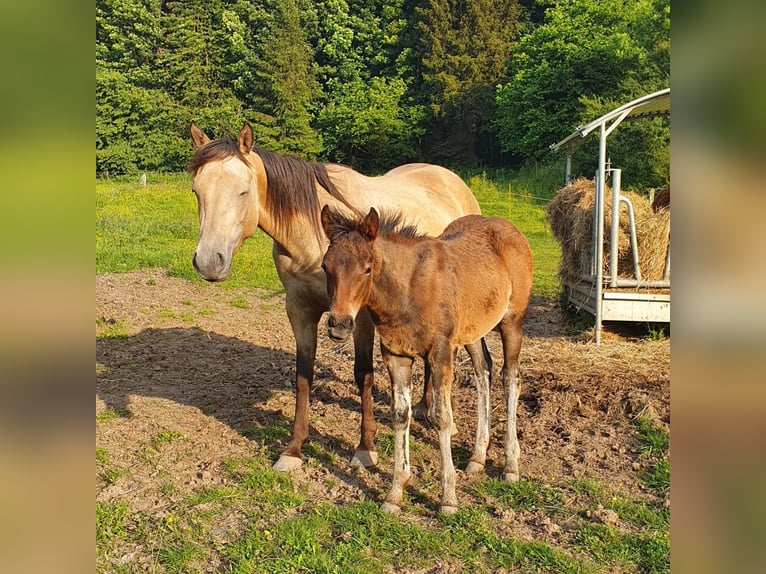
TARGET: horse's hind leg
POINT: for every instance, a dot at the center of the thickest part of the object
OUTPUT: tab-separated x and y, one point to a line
482	374
364	339
510	334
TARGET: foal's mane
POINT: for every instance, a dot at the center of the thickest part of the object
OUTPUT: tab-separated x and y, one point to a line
392	224
291	189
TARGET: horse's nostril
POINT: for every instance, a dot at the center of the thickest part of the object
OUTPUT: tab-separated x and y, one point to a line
194	260
220	259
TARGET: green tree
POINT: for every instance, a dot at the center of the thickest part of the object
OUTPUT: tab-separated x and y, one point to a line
464	47
368	127
587	58
289	88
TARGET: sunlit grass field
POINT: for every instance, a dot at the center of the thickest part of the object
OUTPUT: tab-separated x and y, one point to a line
156	226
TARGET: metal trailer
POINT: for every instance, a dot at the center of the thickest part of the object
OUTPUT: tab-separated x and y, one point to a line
604	294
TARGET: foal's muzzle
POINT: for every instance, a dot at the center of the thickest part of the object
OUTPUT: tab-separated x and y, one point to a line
339	328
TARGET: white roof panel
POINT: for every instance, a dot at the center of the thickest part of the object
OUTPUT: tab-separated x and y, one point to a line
649	106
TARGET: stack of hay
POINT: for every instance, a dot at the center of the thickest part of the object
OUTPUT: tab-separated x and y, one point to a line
571	217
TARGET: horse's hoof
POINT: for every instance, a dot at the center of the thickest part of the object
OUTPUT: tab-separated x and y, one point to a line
511	477
364	458
287	463
390	508
448	510
474	467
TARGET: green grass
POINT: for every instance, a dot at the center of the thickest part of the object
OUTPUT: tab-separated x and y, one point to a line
156	227
283	529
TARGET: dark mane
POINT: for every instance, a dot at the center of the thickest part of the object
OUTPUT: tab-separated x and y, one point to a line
291	181
391	224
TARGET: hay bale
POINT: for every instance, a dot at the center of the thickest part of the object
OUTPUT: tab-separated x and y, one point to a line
570	213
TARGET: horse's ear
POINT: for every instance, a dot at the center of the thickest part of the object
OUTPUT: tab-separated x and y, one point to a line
246	139
329	220
370	225
199	138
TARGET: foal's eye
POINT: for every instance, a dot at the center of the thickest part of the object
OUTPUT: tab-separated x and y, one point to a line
324	267
368	271
244	193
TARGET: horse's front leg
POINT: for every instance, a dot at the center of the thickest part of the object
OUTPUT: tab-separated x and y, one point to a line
400	373
304	323
441	359
364	339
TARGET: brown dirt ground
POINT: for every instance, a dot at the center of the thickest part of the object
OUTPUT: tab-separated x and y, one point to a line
196	365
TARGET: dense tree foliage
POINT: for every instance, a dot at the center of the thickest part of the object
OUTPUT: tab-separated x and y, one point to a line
588	57
375	83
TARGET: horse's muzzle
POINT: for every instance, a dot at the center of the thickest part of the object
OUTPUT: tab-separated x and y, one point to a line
339	328
213	268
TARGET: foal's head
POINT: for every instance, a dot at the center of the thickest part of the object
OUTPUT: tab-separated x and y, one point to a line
349	267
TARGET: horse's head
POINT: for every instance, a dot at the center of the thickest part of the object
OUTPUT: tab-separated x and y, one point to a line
226	185
349	266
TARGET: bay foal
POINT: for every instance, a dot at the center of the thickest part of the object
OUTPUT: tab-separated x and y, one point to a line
427	296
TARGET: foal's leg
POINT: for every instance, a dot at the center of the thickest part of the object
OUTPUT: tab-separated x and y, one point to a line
441	359
400	373
482	375
510	334
304	323
364	338
420	410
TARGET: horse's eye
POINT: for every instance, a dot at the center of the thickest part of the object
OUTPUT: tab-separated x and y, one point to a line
324	267
244	193
368	271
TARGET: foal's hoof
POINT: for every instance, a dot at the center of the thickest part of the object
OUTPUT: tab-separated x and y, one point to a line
287	463
390	508
448	510
364	458
474	467
511	477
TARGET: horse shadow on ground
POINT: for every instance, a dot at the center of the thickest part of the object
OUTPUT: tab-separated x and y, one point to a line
230	380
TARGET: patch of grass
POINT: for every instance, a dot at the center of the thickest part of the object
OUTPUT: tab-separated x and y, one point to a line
653	440
218	494
111	329
111	519
164	437
317	452
657	476
112	413
524	494
178	556
240	303
608	546
266	435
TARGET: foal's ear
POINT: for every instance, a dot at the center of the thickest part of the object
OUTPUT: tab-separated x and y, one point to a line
329	219
246	139
199	138
370	225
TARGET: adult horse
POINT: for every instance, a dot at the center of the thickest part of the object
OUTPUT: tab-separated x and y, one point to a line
240	189
426	296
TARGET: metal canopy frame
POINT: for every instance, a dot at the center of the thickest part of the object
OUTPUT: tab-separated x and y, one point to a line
633	305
